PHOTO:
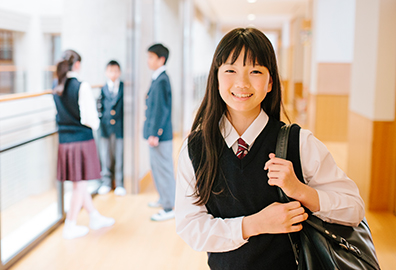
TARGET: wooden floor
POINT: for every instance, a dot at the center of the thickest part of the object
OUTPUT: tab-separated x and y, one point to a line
135	242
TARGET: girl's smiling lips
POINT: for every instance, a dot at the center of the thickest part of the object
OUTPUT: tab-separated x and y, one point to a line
242	95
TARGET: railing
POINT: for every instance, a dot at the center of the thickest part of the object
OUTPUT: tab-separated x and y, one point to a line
32	202
10	97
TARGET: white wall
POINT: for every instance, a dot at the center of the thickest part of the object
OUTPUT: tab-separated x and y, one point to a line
298	51
168	31
332	34
204	43
374	65
96	29
334	25
36	7
144	38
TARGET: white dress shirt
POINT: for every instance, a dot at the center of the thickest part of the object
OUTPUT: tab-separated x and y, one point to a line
339	197
158	72
113	86
86	104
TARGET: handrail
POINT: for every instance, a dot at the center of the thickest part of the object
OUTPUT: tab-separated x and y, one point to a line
23	95
11	97
28	141
8	68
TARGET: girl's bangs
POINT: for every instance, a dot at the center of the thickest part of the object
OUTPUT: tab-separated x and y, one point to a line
253	54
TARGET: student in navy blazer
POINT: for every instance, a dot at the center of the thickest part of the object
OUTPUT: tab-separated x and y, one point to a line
111	113
158	131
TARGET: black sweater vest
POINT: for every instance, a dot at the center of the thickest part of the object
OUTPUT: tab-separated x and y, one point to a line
245	191
68	118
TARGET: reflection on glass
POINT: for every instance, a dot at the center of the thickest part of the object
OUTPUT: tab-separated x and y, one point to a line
29	196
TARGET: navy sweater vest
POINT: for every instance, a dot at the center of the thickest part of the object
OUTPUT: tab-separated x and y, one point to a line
68	118
245	191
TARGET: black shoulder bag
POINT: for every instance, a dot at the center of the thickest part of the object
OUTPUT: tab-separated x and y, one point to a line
326	246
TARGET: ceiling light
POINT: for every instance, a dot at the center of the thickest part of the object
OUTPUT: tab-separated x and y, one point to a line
251	17
252	1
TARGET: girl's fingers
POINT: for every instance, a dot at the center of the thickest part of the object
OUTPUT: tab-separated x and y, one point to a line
298	219
275	168
293	205
296	228
297	211
274	161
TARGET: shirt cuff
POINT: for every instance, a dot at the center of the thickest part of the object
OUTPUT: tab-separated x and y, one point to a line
324	202
238	235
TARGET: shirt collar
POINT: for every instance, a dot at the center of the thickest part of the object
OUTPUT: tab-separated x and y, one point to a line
72	74
158	72
112	84
230	135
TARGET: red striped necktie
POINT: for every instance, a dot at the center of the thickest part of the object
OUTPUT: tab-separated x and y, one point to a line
242	148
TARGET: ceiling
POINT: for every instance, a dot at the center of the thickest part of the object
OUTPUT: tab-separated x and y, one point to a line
269	14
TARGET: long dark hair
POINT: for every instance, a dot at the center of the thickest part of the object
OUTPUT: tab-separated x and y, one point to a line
258	50
69	58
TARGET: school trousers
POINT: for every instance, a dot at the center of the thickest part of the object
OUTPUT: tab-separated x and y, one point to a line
112	155
161	162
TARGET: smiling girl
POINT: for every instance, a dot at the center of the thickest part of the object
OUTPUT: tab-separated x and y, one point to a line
226	194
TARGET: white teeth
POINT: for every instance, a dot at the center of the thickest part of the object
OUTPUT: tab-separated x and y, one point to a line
242	95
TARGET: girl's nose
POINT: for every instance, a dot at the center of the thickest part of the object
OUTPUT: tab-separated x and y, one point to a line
243	81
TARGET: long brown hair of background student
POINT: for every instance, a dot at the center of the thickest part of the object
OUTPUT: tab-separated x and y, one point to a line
258	50
69	58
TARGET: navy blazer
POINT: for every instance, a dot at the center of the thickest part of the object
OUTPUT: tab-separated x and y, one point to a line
111	112
158	121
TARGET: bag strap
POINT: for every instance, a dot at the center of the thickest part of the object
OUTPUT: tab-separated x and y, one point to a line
281	152
282	141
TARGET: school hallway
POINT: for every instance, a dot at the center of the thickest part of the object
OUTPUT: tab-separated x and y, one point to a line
337	69
136	242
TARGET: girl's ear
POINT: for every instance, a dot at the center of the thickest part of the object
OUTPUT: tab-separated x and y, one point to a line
269	85
76	66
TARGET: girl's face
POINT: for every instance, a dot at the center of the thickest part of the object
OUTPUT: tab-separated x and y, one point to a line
243	87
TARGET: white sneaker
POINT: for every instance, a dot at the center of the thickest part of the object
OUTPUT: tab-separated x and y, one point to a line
120	191
71	231
162	215
104	190
154	204
97	221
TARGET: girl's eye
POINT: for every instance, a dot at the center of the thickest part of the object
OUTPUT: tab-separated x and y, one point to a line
256	72
229	71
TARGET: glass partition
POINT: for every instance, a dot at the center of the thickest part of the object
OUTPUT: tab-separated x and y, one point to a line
30	197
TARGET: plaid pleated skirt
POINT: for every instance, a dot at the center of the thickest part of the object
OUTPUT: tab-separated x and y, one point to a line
78	161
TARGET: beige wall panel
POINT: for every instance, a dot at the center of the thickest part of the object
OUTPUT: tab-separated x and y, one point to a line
311	110
360	151
372	159
285	91
383	174
298	89
331	119
334	78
